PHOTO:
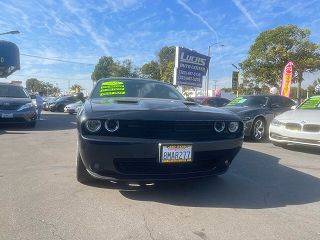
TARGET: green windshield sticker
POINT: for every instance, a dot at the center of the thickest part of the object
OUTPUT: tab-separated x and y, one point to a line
237	101
311	103
112	88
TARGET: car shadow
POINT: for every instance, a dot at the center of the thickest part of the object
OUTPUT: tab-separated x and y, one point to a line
50	122
255	181
304	149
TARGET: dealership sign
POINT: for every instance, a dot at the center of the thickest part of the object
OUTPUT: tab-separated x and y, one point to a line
286	80
190	67
9	58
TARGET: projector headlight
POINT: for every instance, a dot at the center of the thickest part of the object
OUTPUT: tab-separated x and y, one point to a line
233	127
93	125
219	126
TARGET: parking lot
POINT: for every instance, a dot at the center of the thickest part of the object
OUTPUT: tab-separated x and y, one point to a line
269	193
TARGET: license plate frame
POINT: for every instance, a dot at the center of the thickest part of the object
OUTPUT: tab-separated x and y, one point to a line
7	115
182	153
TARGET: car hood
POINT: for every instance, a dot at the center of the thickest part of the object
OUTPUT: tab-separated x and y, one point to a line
124	104
299	115
15	101
241	110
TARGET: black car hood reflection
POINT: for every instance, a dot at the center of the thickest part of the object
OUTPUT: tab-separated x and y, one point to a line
137	104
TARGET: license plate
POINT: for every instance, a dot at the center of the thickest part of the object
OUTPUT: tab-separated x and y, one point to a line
7	115
175	153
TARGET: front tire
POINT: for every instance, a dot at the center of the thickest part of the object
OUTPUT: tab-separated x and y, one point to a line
258	132
82	174
61	108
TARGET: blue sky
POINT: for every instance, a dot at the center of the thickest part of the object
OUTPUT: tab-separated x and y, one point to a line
84	30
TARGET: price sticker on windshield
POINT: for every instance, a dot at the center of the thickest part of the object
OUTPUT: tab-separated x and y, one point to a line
112	88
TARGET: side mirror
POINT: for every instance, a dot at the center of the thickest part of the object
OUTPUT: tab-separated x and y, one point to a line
294	107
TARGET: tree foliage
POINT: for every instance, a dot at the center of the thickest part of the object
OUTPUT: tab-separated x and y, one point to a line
76	86
273	49
108	67
35	85
162	67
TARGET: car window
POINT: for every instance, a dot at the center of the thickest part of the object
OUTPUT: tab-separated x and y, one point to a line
12	92
276	101
136	89
248	101
287	102
213	102
311	103
222	102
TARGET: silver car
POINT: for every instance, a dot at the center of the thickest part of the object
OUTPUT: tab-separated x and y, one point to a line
73	108
300	126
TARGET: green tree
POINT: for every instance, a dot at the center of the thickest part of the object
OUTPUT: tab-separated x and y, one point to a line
75	86
273	49
108	67
35	85
166	56
311	88
167	73
151	70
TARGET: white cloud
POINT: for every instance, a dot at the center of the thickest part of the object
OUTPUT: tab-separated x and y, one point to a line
246	13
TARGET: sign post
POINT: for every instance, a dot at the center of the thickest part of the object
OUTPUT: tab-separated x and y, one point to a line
190	68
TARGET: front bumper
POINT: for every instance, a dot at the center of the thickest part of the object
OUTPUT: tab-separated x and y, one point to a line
138	159
24	116
282	135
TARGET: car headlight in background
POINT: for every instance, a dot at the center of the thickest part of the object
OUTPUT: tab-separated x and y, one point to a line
233	127
219	126
277	123
26	106
93	125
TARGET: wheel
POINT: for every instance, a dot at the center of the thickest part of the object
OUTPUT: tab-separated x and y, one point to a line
277	144
32	124
60	108
82	174
258	130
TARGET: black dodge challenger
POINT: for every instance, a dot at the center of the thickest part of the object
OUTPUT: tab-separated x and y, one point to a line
136	129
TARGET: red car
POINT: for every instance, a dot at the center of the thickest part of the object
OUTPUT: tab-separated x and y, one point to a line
211	101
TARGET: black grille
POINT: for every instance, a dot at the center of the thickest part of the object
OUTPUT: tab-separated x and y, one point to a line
311	128
202	161
293	126
10	107
170	130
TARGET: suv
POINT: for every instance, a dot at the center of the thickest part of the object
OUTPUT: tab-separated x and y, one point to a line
16	105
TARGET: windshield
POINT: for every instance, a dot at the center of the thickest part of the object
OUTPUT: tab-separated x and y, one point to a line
248	101
136	89
12	92
311	103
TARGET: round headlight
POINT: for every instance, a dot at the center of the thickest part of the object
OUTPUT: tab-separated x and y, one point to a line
233	127
112	125
93	125
219	126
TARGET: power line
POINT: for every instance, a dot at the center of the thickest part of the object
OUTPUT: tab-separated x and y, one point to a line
58	78
57	59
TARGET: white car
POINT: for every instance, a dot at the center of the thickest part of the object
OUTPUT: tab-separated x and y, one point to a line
73	108
300	126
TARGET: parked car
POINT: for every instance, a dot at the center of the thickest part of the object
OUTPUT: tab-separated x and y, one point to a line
33	99
16	106
211	101
73	108
48	101
257	112
300	126
134	129
60	103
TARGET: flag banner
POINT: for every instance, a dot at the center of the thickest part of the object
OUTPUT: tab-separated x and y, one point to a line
286	80
190	67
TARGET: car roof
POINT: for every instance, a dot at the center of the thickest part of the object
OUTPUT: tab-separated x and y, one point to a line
9	84
137	79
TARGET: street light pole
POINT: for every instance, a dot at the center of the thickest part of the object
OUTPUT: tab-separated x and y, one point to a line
208	72
10	32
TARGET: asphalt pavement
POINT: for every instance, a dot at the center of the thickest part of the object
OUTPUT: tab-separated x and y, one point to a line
269	193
